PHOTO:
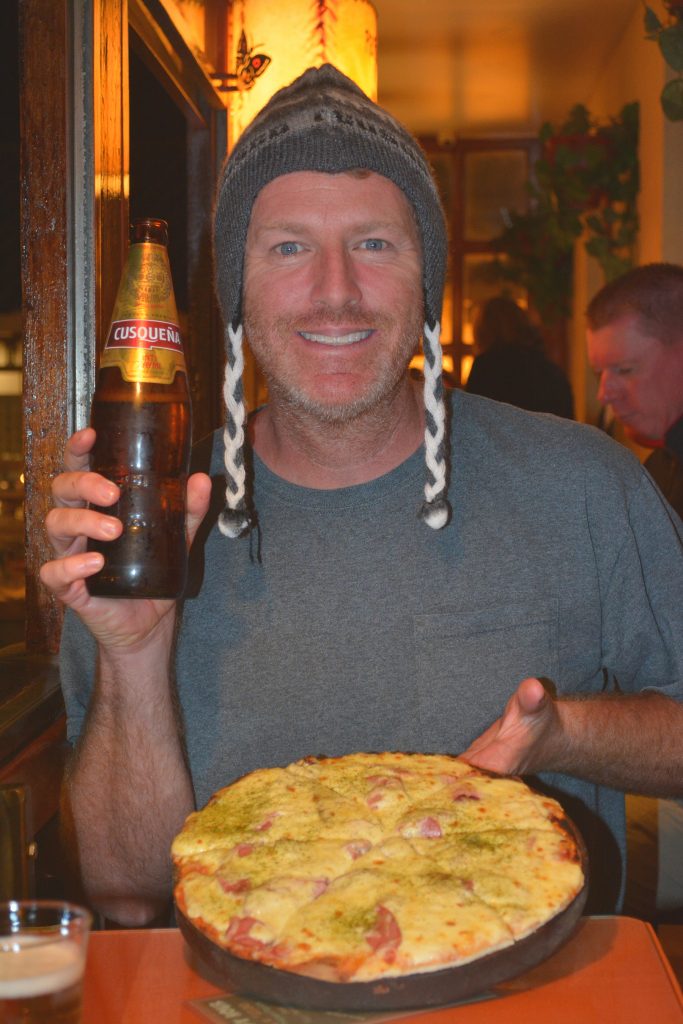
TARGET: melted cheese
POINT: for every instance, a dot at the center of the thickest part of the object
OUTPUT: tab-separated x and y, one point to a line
373	866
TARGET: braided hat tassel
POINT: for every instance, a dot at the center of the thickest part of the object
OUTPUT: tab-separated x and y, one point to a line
435	511
234	520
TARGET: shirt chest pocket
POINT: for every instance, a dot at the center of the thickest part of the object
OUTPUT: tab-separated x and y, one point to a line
469	664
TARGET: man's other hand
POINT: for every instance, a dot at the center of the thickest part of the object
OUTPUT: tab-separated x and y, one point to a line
521	739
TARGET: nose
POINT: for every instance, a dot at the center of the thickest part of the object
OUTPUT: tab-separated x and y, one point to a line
607	388
335	283
602	389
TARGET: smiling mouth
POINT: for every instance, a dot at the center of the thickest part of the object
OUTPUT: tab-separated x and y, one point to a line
335	341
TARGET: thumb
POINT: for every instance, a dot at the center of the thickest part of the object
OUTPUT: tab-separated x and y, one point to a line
532	696
198	497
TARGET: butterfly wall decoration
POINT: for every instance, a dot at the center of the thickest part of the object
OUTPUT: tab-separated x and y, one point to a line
249	64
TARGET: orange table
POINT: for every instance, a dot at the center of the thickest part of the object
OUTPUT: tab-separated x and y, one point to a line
611	970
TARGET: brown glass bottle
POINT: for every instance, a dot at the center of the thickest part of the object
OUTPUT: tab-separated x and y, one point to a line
141	414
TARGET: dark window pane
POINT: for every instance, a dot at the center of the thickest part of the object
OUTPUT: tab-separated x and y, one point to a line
494	181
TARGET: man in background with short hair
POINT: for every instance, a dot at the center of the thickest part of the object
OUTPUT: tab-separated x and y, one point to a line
635	345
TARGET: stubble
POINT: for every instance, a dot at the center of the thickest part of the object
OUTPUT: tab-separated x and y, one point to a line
285	389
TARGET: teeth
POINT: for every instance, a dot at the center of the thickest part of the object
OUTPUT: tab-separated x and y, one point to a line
342	339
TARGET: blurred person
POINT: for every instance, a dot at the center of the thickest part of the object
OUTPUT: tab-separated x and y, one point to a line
511	364
375	566
635	345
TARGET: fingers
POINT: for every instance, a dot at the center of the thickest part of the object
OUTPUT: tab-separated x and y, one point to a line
75	488
198	497
69	524
65	576
481	742
76	485
68	531
68	528
516	742
78	448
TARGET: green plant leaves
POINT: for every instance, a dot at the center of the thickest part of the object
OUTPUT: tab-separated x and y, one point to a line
671	44
670	40
652	23
585	182
672	99
539	258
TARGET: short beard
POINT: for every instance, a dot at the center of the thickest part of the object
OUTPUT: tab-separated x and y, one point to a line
382	391
341	412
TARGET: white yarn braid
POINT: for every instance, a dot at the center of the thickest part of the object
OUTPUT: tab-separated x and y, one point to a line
234	520
436	511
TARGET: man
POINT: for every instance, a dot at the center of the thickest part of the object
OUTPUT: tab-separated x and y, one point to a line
635	345
542	566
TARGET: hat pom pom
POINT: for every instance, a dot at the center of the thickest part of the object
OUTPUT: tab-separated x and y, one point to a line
233	522
436	513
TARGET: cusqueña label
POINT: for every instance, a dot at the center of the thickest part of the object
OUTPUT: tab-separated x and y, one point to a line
146	351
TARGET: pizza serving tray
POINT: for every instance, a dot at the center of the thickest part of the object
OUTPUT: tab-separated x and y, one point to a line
413	991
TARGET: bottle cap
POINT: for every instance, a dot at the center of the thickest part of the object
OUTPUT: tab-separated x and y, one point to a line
149	229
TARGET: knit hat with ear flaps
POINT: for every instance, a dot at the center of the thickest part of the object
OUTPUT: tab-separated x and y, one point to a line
324	122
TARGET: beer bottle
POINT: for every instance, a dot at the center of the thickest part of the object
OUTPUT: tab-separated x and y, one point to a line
141	414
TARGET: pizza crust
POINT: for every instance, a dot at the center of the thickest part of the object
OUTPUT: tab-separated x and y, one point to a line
374	865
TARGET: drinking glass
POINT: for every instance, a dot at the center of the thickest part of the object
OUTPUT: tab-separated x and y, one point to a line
43	945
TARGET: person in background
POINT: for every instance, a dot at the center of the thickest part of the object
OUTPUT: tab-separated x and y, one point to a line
377	566
511	364
635	346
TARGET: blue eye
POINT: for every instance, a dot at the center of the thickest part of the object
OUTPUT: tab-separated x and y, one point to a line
374	244
288	248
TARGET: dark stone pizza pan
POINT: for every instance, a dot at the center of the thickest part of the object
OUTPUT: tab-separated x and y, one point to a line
412	991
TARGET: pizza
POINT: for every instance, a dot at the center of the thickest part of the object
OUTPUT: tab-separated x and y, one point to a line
374	865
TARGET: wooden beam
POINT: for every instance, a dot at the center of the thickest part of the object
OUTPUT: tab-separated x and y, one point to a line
44	157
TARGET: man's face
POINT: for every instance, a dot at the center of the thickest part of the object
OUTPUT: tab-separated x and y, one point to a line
640	377
332	290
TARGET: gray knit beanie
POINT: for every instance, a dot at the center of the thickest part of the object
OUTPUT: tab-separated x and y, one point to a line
324	122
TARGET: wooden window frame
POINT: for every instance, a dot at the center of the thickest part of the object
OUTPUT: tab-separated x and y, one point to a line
460	247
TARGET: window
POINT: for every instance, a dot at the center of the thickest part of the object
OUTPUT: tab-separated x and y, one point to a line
479	179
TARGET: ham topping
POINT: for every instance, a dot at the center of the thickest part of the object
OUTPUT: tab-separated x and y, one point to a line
429	828
267	822
241	885
465	794
357	848
381	784
238	933
385	937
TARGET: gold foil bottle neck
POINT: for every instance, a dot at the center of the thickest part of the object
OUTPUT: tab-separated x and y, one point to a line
146	289
144	338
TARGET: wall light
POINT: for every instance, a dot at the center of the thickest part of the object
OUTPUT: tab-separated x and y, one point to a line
272	41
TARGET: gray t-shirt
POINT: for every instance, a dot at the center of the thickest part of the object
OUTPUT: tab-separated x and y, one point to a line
343	623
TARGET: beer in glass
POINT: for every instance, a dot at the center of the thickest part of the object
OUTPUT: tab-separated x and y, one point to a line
43	946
